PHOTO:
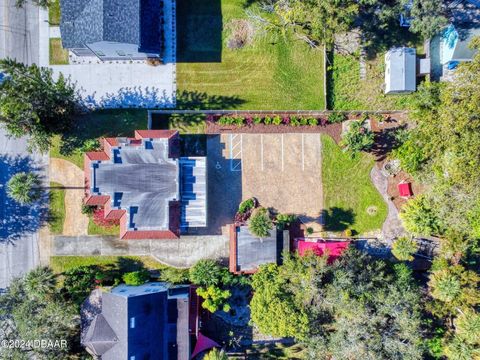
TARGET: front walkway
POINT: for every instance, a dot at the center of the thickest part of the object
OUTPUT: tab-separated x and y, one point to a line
182	253
72	177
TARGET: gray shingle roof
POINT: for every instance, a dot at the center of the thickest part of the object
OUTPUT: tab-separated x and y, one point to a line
253	251
123	21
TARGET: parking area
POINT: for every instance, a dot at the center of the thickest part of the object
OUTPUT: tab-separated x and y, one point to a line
283	171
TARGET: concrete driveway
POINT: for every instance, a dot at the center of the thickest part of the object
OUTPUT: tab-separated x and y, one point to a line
19	225
182	253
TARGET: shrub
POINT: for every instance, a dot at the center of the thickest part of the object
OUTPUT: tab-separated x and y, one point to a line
260	223
419	218
286	120
214	298
246	205
277	120
238	120
257	119
174	276
225	120
303	121
90	145
206	272
284	220
88	209
294	121
136	278
358	138
312	121
348	233
79	282
336	117
403	248
309	230
267	120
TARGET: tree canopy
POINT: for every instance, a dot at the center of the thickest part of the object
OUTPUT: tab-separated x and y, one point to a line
357	308
33	103
24	188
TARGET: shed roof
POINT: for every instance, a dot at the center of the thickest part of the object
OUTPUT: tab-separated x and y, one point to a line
400	70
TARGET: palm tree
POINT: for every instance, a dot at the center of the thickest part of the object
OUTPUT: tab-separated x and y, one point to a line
445	285
40	281
467	326
24	187
403	248
260	223
216	354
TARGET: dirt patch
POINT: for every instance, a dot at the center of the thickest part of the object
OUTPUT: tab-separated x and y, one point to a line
392	189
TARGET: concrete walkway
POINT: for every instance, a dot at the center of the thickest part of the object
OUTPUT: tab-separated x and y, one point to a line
183	252
72	177
392	227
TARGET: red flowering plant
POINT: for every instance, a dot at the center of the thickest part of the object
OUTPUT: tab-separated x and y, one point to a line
99	218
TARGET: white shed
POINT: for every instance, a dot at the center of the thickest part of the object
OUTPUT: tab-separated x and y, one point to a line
400	70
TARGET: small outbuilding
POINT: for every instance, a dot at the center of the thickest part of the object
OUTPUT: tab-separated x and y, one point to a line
400	70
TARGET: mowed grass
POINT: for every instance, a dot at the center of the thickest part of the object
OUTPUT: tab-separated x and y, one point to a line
60	264
266	74
94	229
346	91
348	191
54	12
58	55
94	125
57	208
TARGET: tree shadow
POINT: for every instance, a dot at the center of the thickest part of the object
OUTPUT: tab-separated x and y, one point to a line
338	219
196	100
125	265
131	97
385	142
18	220
199	31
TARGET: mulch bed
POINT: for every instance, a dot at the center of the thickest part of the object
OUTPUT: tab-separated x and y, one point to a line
392	189
334	130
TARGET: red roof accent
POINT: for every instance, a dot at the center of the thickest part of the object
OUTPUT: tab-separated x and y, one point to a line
155	134
154	234
203	343
405	189
333	248
97	155
112	141
97	200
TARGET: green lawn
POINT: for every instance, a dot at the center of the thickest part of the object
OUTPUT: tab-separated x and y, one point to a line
58	55
349	192
60	264
347	91
267	74
54	12
57	208
113	123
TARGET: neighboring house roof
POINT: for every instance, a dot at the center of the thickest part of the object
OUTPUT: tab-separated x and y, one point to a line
123	21
456	41
400	70
139	322
248	252
320	247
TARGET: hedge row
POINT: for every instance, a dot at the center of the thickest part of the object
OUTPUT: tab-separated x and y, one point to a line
291	120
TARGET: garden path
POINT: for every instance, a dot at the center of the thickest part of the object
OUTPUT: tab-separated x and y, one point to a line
72	177
392	227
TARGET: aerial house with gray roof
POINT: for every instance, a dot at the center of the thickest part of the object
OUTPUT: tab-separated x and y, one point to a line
113	29
145	184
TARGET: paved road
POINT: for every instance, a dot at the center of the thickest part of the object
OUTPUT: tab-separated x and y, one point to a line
19	35
19	225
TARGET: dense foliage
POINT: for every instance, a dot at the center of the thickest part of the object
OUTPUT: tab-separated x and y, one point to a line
33	103
214	281
404	248
136	278
357	138
357	308
24	188
31	309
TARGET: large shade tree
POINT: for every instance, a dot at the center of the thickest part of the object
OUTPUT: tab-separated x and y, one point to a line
33	103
